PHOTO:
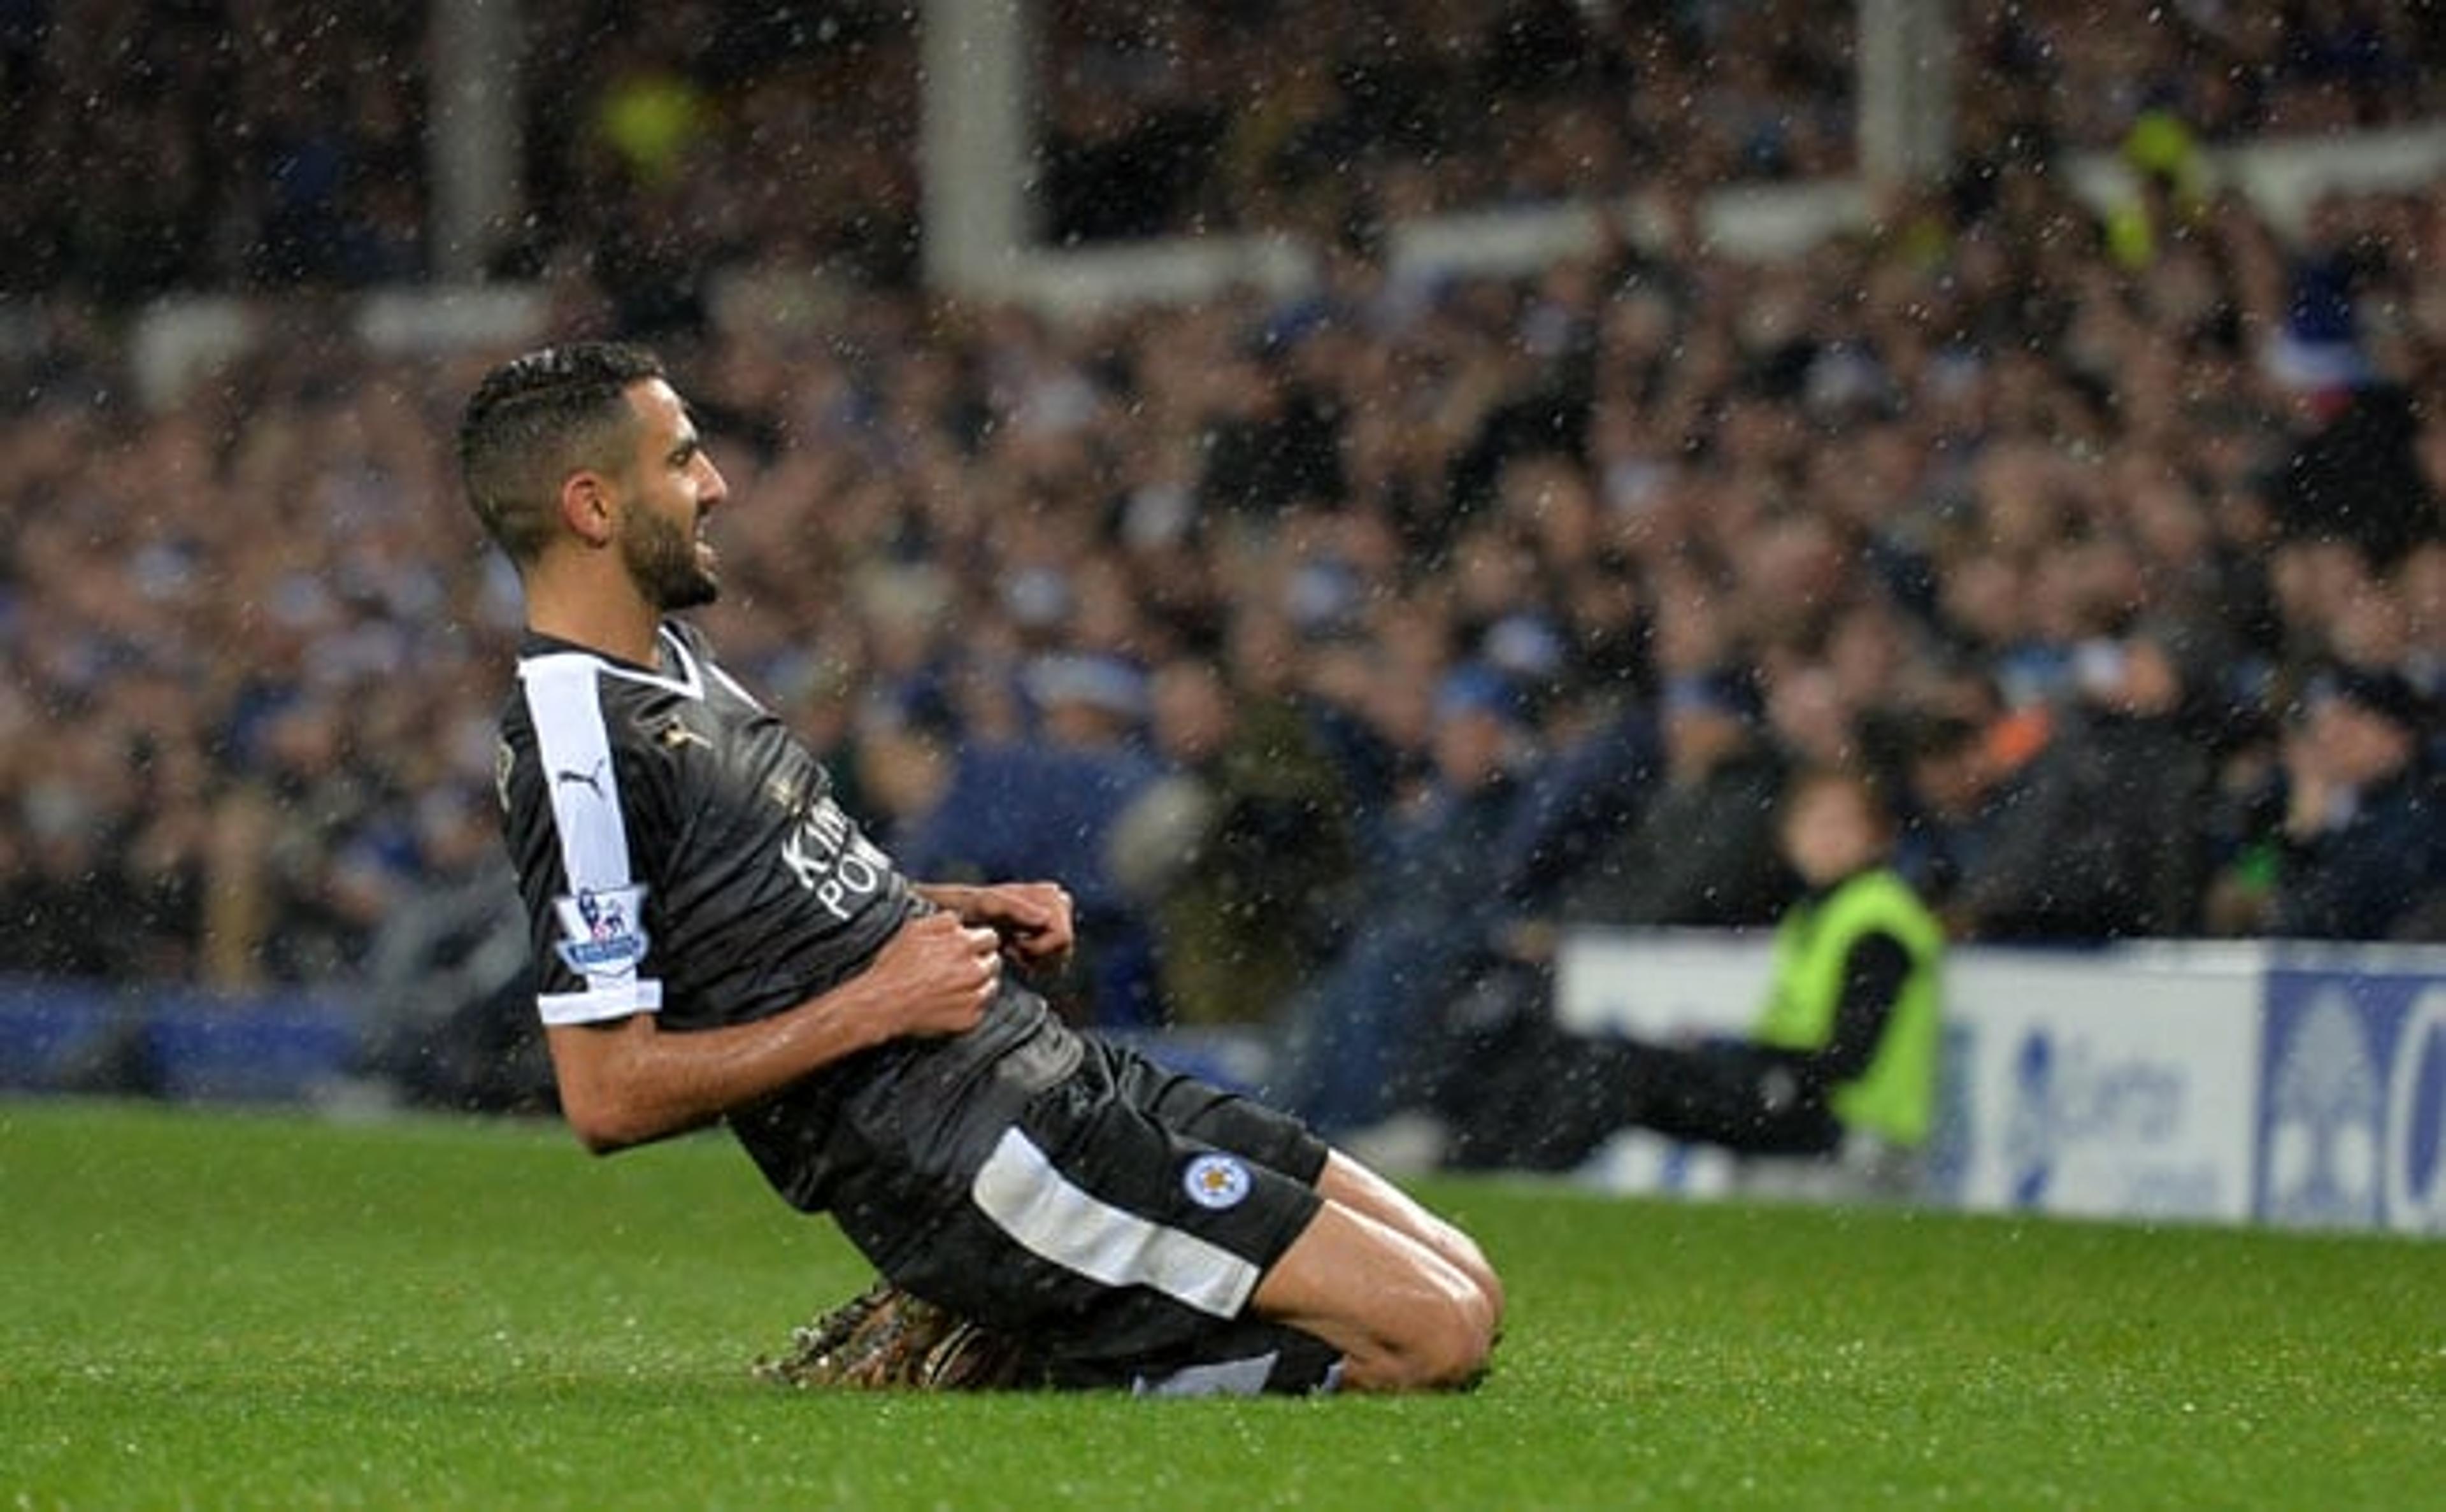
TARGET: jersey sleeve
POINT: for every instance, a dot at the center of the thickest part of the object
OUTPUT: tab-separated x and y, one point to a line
580	869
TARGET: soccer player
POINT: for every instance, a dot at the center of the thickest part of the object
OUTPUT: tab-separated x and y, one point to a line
718	942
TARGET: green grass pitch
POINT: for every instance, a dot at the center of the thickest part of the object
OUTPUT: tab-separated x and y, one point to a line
223	1310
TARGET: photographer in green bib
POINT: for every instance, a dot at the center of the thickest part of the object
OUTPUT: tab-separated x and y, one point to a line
1852	1009
1840	1064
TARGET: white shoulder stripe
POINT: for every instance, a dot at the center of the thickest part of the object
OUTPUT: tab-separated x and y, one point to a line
564	703
575	749
594	1007
1019	1188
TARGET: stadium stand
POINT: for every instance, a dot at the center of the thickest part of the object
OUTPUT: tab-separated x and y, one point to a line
2014	496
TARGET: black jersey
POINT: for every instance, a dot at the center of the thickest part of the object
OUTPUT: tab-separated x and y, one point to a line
681	854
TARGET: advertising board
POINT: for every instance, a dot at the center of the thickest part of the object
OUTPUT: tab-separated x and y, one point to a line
2352	1097
2106	1085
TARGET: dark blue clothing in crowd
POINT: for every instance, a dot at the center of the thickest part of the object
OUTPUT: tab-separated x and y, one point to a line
1034	809
1348	1034
2369	877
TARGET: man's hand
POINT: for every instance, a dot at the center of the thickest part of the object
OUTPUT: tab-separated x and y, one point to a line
2314	801
935	975
1032	919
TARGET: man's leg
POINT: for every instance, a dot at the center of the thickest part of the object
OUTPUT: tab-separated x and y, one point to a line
1150	1232
1344	1064
1400	1293
1744	1097
1404	1318
1408	1300
1551	1108
1356	1187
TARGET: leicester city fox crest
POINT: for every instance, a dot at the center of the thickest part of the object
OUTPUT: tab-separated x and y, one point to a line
603	928
1215	1181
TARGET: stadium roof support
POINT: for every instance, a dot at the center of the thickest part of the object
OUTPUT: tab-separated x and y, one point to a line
474	142
1905	90
976	142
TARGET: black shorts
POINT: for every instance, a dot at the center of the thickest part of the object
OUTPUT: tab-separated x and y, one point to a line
1118	1220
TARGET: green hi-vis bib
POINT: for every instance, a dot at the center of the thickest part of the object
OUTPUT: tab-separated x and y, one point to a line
1895	1097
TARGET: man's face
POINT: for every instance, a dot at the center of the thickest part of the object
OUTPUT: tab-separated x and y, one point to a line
1471	747
670	486
1192	712
1830	832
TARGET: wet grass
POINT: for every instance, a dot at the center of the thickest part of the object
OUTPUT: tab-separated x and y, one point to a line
220	1310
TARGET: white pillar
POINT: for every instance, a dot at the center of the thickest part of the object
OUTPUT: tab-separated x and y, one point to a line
472	154
1905	88
976	142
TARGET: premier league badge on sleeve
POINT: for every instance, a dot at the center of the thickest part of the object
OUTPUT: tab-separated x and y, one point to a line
604	930
1215	1181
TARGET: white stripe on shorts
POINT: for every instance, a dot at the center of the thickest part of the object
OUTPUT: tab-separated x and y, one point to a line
1019	1188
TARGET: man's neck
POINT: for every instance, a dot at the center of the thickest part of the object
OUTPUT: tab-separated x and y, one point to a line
617	623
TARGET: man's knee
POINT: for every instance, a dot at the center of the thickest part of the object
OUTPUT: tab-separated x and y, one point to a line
1463	1253
1448	1343
1438	1339
1404	1318
1354	1185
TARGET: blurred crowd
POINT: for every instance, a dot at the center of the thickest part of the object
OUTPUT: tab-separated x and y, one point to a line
155	146
1345	646
1175	115
1262	623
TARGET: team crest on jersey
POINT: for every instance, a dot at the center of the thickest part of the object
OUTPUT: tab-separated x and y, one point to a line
604	928
1215	1181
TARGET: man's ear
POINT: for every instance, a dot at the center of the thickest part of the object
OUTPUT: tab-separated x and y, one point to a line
586	507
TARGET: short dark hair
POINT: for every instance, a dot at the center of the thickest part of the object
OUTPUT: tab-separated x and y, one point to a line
535	417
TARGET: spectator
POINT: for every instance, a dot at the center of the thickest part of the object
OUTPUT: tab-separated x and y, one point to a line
1844	1051
1057	794
1701	850
1239	856
1347	1034
2364	826
1965	777
2099	835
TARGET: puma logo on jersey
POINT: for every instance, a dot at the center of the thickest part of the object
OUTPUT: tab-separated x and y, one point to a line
591	778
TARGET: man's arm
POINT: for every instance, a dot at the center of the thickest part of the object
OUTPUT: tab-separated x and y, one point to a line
1873	975
631	1082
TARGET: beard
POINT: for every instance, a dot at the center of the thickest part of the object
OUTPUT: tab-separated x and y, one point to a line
668	566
